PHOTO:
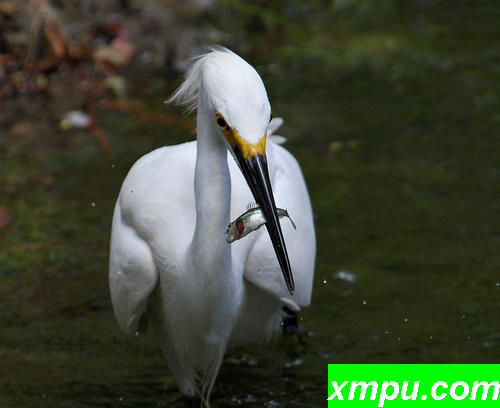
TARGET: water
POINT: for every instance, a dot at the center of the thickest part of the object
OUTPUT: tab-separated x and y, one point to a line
400	152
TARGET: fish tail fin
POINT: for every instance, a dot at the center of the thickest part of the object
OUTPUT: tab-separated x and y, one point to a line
290	218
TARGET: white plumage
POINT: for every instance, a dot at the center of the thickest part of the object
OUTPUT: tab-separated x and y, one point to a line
169	258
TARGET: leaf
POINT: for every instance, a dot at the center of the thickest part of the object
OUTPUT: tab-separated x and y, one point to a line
117	54
57	39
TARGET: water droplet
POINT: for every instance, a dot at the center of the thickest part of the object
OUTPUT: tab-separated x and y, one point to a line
324	281
464	316
468	337
250	398
253	362
93	204
295	363
399	338
120	399
386	332
430	337
137	332
498	283
364	302
492	341
346	276
272	403
327	354
112	166
406	319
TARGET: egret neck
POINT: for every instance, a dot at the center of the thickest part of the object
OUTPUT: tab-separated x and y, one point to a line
212	184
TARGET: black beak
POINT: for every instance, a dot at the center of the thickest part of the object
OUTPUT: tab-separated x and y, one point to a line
255	171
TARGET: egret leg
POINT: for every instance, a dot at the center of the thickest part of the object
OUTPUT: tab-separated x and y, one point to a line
192	401
291	324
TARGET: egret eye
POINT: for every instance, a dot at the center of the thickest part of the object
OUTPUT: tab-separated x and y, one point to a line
221	122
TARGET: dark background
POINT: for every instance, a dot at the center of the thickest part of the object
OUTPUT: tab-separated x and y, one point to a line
391	107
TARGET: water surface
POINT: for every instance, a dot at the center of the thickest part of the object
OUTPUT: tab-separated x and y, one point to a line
396	130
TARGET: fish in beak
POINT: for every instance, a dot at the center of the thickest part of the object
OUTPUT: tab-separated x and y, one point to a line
252	162
257	176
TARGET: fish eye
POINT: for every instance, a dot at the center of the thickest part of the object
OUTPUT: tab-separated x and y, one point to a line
220	121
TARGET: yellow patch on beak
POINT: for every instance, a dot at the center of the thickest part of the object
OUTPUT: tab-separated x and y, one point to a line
247	150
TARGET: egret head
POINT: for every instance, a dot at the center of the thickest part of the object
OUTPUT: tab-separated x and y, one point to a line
231	98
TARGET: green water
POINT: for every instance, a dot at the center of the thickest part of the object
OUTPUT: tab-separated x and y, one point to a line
396	125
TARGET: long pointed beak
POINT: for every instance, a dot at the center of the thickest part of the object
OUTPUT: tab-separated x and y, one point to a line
254	169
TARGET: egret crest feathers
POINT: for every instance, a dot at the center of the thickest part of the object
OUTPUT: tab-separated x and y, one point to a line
187	94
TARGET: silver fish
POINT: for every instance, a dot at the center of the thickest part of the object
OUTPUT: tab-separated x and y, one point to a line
250	221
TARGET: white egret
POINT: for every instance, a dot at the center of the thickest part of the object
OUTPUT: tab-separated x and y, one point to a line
169	258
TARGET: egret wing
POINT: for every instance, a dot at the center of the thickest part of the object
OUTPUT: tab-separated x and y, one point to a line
132	274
